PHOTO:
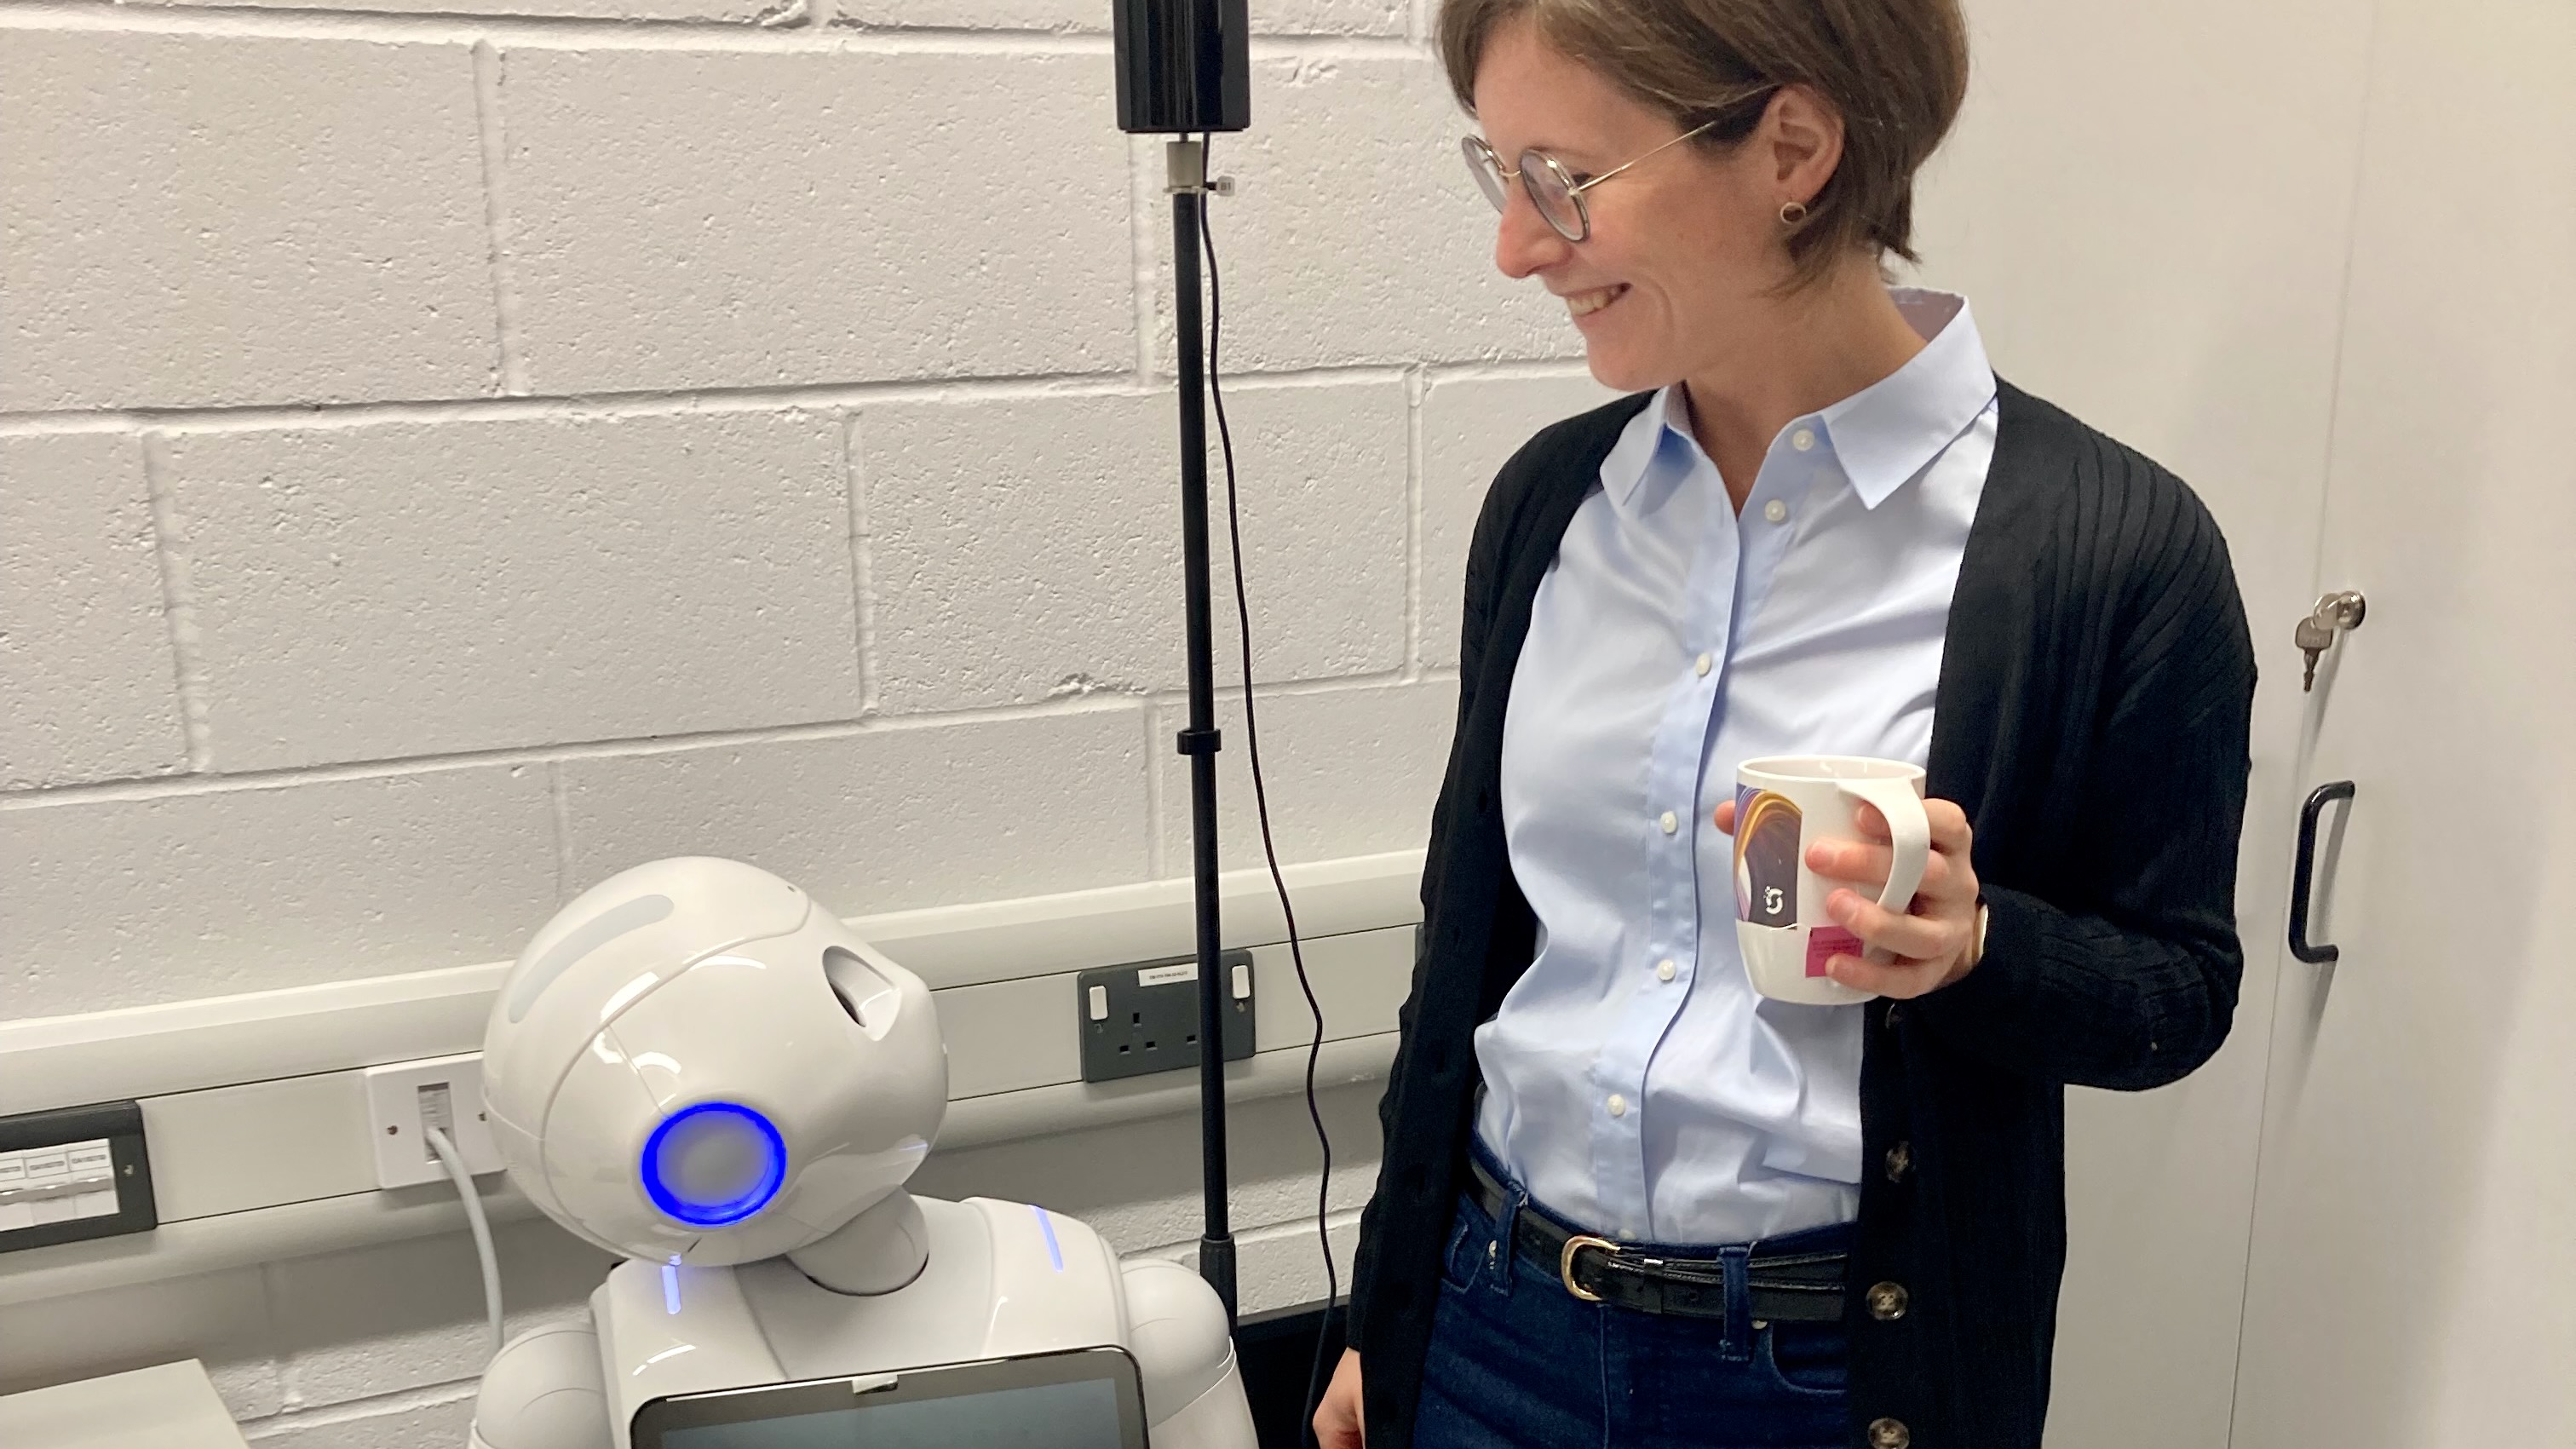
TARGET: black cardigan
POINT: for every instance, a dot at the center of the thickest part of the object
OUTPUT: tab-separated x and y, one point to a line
2095	691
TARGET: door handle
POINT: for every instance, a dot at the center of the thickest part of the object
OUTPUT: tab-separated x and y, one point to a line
2305	873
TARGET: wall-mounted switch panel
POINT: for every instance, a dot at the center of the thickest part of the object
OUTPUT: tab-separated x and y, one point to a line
74	1173
1145	1018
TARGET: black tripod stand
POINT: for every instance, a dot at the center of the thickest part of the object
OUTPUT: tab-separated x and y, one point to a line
1184	67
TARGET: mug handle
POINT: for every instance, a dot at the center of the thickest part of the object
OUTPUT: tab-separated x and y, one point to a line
1911	834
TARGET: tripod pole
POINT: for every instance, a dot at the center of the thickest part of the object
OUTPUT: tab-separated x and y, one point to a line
1187	162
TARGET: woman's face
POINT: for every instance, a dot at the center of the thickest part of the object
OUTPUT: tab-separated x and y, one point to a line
1685	247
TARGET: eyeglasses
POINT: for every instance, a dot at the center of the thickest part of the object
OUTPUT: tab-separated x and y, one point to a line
1557	192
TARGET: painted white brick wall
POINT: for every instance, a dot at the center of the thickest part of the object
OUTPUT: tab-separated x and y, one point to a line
1055	803
207	219
827	216
121	899
451	450
80	592
1340	766
1030	549
407	589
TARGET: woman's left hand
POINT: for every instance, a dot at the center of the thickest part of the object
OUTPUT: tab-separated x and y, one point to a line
1935	943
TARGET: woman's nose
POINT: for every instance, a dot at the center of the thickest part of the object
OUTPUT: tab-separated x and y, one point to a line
1523	241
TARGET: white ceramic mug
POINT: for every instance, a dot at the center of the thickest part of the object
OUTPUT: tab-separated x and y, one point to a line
1785	803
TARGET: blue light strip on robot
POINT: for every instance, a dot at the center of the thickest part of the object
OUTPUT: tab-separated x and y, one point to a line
671	1287
1046	1224
764	1186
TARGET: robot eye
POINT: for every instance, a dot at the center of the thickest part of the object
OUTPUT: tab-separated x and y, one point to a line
713	1164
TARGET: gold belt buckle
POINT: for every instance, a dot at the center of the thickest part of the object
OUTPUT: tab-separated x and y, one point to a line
1565	1263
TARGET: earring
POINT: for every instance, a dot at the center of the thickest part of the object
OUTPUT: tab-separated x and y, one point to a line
1792	212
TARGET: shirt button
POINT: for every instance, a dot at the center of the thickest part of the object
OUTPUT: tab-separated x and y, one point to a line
1803	439
1670	822
1664	970
1776	511
1704	664
1618	1105
1887	1301
1889	1434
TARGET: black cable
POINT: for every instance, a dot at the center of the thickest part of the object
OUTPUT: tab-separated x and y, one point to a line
1261	804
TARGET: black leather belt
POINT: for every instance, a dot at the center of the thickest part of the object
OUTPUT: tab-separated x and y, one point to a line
1788	1288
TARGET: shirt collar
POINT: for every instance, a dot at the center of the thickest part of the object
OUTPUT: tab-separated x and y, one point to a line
1650	432
1882	435
1887	432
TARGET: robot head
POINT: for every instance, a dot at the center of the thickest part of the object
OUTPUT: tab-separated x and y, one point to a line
695	1063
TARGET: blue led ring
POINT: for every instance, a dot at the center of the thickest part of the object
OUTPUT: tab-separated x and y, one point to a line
730	1120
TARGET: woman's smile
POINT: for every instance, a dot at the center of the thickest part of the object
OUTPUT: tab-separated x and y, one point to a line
1580	305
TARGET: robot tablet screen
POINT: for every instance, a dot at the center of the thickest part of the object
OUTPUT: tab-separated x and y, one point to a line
1087	1399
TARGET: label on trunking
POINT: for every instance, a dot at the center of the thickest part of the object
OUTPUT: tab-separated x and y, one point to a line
80	1172
56	1184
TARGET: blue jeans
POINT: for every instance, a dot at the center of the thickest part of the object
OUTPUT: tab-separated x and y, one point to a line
1517	1361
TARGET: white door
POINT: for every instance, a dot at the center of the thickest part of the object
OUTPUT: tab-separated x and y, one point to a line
2147	206
2412	1282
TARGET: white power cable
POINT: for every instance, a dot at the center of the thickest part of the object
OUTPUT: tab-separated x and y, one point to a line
455	1164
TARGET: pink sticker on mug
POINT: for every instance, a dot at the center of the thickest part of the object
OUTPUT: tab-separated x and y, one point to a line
1824	943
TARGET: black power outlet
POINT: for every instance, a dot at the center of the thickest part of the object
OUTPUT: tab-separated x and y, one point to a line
1145	1018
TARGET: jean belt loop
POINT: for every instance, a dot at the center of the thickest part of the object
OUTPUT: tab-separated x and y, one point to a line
1739	1303
1505	1255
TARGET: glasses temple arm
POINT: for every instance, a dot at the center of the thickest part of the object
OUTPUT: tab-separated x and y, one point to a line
1668	145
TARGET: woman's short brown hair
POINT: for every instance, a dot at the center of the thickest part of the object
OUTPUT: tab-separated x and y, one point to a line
1896	70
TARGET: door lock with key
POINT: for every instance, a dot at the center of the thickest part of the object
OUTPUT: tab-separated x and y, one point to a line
2335	613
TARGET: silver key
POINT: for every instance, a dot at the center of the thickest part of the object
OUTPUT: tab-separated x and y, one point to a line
2316	633
2315	638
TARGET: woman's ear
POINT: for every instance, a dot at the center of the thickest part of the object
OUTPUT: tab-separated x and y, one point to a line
1804	139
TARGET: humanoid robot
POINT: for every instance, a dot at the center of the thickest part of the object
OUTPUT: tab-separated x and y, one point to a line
698	1068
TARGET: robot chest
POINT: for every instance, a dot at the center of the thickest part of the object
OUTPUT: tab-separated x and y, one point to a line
1003	1279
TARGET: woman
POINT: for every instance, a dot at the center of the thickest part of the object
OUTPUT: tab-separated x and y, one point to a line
1623	1200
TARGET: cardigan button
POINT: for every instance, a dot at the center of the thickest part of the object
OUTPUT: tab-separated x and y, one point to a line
1890	1019
1889	1434
1887	1301
1900	1161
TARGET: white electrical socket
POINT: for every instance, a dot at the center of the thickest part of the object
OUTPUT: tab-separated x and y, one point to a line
445	1092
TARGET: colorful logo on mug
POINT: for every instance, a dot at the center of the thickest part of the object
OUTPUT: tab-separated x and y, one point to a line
1766	858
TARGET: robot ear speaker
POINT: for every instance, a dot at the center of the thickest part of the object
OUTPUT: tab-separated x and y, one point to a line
847	1004
868	997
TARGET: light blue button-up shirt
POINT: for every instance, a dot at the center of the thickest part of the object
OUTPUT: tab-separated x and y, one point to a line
1633	1081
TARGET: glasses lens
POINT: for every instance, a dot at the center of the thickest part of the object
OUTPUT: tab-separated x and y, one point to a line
1488	169
1553	190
